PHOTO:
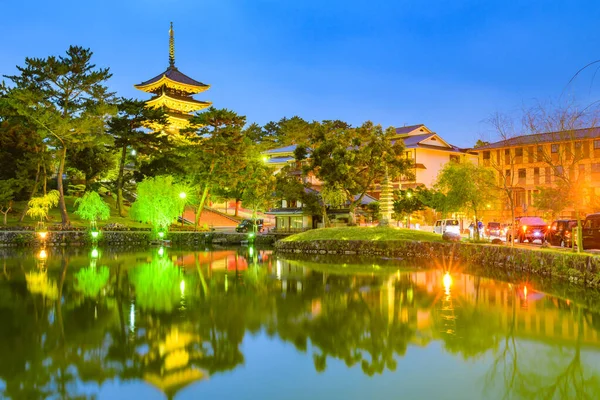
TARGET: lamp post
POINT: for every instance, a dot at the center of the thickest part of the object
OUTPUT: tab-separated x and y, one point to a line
182	196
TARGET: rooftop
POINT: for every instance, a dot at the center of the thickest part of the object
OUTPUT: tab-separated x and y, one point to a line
548	137
409	128
173	74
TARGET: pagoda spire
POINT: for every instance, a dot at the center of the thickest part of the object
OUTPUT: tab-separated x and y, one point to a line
171	47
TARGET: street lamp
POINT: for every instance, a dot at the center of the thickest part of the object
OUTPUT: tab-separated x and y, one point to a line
133	152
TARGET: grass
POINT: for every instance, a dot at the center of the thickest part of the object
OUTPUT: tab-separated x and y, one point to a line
363	233
54	215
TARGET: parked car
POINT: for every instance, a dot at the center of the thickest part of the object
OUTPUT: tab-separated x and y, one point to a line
591	232
246	225
493	229
559	233
446	225
528	229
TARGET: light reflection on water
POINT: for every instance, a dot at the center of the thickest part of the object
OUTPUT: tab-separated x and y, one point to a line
161	323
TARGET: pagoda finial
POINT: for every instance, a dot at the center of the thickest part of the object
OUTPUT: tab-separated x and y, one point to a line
171	47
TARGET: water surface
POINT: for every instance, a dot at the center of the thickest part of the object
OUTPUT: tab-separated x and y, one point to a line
244	324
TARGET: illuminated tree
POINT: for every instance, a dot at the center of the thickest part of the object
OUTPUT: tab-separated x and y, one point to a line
91	207
39	207
158	202
157	285
91	280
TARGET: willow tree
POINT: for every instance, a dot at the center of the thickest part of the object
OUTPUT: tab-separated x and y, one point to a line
158	202
65	97
92	208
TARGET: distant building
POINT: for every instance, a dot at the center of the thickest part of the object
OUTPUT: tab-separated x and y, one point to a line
526	163
430	153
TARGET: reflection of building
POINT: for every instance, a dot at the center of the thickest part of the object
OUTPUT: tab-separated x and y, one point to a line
167	363
173	92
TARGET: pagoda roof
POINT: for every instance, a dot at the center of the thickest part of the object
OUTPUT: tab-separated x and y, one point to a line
178	103
175	79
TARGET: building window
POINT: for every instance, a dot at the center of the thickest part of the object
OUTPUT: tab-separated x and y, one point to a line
536	176
536	171
486	155
522	173
454	158
559	170
554	148
540	153
596	144
547	175
586	149
530	154
408	155
507	173
519	152
507	156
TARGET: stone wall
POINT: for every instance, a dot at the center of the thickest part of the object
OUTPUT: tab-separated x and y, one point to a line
126	238
566	265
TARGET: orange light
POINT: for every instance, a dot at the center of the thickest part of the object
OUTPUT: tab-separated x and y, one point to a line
525	291
43	234
447	281
43	255
524	228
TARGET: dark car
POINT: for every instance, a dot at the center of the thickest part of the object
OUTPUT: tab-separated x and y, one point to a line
247	225
493	229
559	233
528	229
591	232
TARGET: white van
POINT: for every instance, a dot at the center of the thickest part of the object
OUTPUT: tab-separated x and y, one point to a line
446	225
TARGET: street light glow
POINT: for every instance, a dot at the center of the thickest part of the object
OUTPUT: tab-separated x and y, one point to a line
133	152
182	195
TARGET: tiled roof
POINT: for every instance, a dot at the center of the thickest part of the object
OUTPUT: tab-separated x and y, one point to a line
175	75
278	160
411	142
286	149
538	138
407	129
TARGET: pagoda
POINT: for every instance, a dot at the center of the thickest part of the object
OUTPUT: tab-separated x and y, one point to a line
173	92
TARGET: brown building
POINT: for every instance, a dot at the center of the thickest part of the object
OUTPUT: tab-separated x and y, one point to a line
524	164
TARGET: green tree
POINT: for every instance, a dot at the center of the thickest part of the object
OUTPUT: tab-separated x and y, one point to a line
127	129
66	99
91	207
93	161
407	202
258	195
158	202
216	151
468	187
354	159
6	197
40	206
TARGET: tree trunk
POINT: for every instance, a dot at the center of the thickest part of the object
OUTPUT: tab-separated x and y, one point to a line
120	209
351	214
512	224
201	204
35	185
45	180
237	206
325	219
59	185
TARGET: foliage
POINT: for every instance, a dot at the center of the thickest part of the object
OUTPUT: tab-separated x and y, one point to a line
333	195
39	207
93	160
215	153
552	199
92	207
6	196
468	187
66	99
158	202
258	195
407	201
363	233
91	280
157	285
127	129
354	158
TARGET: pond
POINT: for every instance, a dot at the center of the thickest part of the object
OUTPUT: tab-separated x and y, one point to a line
245	324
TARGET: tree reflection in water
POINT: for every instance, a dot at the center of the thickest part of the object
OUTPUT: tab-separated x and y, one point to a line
174	319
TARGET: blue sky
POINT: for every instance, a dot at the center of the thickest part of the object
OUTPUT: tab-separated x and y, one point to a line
448	64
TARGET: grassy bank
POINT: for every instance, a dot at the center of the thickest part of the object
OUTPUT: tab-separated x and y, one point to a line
363	233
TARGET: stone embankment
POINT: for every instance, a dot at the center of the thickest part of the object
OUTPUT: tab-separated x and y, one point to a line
581	268
126	238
